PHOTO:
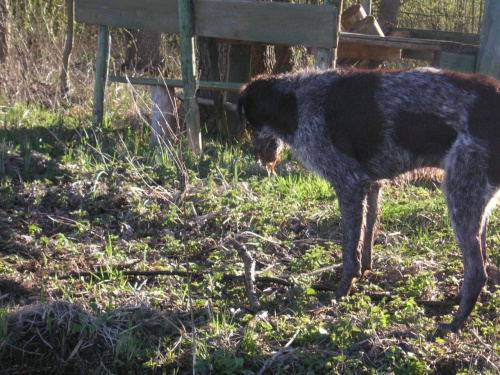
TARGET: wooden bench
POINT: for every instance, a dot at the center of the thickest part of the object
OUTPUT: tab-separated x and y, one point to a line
236	21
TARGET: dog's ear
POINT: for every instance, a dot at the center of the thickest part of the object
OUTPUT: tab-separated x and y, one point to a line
264	102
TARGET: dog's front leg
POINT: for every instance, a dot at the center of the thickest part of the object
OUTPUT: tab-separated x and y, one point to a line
352	208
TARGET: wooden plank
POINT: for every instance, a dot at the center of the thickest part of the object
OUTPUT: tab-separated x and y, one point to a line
204	85
456	62
489	54
417	55
409	43
101	73
326	58
367	52
153	15
468	38
267	22
188	61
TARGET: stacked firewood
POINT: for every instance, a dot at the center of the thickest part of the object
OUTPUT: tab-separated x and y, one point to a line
355	20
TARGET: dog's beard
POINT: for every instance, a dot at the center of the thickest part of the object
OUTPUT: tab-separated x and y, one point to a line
268	150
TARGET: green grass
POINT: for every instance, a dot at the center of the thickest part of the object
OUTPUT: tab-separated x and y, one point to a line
74	198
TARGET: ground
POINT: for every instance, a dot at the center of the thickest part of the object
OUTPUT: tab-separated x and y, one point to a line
107	265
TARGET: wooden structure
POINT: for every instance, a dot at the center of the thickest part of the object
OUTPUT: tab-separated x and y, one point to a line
241	21
275	23
465	52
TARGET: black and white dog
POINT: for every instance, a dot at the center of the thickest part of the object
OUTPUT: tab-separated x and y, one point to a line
355	128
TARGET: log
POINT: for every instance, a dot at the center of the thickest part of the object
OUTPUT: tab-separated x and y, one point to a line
352	15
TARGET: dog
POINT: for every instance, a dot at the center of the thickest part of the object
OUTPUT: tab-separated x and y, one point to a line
357	128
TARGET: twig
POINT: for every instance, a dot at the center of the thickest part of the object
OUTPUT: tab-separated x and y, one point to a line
249	267
210	216
282	280
261	237
280	352
105	274
474	333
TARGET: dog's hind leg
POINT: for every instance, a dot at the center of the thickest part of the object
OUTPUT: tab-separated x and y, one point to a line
352	207
369	224
468	193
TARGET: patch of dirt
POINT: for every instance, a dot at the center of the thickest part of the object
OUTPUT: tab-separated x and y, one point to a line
18	291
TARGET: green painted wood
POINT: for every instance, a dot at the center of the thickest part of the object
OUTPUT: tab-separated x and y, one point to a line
153	15
188	61
326	58
101	72
266	22
204	85
457	62
488	60
467	38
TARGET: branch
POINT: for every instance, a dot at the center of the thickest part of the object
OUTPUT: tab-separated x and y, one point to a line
249	267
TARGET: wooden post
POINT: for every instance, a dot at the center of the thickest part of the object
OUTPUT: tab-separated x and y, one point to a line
188	61
488	60
367	5
101	74
164	127
326	58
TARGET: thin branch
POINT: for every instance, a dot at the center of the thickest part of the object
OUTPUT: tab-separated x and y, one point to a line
280	352
249	266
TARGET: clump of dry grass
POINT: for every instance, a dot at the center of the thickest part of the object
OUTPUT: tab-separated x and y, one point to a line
61	337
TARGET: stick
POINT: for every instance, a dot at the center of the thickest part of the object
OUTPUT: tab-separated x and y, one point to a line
280	281
249	266
285	349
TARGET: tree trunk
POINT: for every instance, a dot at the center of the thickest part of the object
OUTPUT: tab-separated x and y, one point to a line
206	73
284	59
389	11
262	59
68	47
284	55
144	51
4	31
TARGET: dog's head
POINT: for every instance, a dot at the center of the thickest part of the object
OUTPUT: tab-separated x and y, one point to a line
269	107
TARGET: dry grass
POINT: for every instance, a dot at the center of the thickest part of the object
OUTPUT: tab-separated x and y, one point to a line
60	337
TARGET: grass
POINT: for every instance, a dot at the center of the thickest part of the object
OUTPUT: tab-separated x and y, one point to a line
74	198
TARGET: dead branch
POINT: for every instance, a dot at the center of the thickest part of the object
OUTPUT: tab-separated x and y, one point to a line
249	267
